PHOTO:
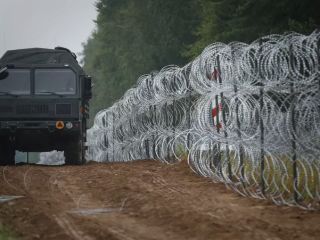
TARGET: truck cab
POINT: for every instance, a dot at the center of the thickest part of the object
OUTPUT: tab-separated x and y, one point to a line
44	104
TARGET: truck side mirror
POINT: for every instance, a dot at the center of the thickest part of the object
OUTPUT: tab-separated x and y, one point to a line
3	73
88	87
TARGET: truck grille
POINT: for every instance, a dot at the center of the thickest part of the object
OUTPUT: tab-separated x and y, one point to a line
32	109
63	109
6	109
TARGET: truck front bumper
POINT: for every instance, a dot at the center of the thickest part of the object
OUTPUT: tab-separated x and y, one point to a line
49	126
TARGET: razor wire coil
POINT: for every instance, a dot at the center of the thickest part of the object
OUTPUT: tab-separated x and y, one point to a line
247	115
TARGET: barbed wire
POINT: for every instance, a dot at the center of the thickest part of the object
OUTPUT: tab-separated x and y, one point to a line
246	115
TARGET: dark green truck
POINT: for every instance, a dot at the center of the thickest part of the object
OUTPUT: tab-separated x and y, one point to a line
44	101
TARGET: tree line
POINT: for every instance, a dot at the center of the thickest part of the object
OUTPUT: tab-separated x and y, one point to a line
134	37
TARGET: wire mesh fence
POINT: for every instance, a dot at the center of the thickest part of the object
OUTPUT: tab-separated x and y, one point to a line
246	115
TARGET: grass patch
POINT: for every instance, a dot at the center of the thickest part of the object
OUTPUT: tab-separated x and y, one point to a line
278	174
181	152
277	177
6	234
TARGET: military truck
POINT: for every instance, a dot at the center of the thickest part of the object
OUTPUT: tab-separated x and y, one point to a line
44	103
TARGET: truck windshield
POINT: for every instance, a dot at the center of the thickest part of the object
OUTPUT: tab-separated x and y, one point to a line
16	82
55	81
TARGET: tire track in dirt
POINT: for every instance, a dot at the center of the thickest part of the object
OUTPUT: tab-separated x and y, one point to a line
140	200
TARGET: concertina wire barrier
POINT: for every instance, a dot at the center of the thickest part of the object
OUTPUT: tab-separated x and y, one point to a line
247	115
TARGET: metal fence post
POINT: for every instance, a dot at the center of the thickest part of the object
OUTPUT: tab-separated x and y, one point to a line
238	124
154	138
219	78
261	123
106	144
293	122
113	120
188	69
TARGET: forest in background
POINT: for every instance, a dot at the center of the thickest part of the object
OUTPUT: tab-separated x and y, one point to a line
135	37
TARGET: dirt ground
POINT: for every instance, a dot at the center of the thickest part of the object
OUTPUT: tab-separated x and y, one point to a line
139	200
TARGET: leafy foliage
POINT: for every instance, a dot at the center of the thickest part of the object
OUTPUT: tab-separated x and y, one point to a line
247	20
134	37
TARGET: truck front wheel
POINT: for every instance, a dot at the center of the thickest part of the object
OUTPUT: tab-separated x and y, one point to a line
7	152
74	153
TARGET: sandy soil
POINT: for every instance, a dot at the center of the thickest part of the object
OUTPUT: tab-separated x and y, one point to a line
140	200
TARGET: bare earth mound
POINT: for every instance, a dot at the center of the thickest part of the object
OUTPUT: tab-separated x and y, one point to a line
139	200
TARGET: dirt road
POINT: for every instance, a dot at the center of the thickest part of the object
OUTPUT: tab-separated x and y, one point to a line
139	200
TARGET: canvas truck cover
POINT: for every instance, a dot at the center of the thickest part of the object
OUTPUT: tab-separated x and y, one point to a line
39	56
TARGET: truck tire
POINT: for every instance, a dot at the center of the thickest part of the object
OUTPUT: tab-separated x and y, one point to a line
74	153
7	152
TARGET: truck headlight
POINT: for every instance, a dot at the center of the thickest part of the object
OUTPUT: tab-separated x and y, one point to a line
69	125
